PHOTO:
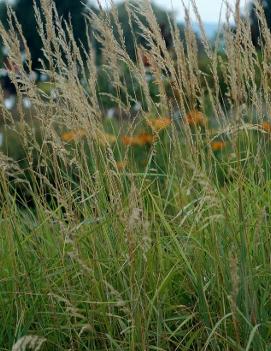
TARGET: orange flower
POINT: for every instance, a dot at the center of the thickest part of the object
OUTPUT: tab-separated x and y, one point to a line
121	165
158	124
196	118
145	138
106	138
73	135
218	145
138	140
129	140
266	126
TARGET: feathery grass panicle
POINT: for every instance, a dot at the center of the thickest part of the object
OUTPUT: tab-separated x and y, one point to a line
32	342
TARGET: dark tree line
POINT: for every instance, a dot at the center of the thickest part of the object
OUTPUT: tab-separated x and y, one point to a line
67	9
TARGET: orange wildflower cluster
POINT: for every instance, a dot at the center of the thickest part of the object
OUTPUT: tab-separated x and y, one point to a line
76	134
218	145
196	118
102	138
138	140
158	124
73	135
121	165
266	126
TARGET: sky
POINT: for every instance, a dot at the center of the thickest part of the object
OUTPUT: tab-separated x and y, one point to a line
208	9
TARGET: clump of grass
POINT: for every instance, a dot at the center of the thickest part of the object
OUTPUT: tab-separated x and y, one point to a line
151	234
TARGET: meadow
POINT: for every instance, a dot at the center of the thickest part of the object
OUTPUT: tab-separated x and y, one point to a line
146	232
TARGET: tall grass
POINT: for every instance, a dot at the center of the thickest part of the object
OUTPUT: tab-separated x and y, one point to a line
170	251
